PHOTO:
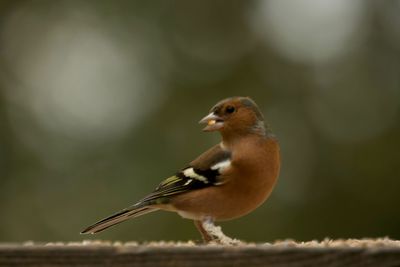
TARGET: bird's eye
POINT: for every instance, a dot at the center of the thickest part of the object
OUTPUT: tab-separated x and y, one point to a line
230	109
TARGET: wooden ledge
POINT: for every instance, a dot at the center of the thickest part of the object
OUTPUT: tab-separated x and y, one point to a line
287	253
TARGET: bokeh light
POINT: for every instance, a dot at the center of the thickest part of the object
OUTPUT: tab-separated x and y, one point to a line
310	31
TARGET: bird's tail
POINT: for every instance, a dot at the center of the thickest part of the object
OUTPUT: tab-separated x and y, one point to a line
131	212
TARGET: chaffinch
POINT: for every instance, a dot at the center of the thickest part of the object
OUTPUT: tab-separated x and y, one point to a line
227	181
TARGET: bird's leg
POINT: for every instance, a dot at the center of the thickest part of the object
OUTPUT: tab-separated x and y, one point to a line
204	234
210	233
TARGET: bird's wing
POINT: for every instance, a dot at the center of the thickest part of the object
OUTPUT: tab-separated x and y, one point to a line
202	172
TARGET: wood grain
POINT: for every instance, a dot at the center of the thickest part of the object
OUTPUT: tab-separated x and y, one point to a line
168	256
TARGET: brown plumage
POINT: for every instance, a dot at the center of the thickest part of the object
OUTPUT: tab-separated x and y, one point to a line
228	181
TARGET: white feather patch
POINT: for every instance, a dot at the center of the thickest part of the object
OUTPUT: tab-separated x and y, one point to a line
220	166
189	172
188	182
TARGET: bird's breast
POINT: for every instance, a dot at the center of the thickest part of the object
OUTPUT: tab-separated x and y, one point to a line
248	183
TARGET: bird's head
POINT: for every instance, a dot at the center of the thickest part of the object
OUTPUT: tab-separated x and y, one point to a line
235	115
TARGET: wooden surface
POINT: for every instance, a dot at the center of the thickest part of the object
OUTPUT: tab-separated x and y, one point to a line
166	255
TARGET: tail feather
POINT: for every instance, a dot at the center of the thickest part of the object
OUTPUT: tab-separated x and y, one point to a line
118	218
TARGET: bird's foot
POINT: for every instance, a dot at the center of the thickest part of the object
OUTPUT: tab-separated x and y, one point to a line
216	236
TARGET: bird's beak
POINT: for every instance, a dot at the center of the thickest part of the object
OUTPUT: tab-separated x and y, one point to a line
214	122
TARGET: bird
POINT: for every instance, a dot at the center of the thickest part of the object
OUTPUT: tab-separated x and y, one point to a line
228	181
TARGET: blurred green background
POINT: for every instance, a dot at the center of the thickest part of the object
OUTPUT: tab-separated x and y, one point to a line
99	101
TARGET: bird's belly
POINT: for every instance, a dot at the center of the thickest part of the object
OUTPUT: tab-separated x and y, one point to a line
213	203
190	215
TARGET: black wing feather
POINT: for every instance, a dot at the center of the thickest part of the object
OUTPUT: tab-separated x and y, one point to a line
180	183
